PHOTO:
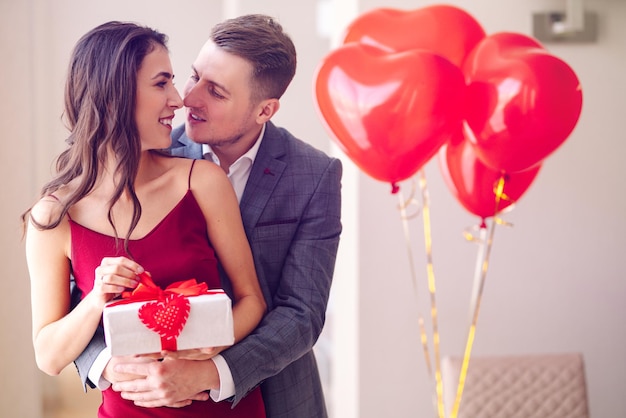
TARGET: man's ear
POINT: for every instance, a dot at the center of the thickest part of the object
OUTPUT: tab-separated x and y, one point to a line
267	109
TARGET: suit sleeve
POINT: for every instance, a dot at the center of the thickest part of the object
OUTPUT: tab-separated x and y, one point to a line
86	359
96	345
298	303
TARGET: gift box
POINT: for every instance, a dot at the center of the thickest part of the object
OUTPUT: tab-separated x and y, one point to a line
149	319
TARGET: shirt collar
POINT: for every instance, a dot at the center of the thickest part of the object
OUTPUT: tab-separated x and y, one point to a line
250	154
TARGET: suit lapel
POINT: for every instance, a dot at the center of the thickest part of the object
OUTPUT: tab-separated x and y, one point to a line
265	174
182	146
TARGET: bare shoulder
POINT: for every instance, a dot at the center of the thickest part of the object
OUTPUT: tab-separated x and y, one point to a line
207	174
204	177
209	181
46	210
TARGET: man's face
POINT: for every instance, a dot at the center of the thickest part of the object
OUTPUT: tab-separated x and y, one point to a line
217	99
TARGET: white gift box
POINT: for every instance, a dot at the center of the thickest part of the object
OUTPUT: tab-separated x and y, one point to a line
210	324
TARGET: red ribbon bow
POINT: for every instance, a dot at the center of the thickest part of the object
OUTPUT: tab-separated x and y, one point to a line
165	311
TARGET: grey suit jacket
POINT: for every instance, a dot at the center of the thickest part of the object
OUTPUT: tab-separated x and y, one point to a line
291	213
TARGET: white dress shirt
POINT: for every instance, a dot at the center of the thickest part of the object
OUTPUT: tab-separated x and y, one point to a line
238	174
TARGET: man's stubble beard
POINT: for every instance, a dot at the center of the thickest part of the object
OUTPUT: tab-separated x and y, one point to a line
228	141
215	142
221	143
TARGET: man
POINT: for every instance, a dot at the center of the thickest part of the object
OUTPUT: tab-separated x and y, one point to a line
290	203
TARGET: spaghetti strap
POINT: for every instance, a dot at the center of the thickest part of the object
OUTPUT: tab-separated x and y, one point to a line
193	162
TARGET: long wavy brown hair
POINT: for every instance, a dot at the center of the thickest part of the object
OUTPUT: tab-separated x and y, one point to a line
100	96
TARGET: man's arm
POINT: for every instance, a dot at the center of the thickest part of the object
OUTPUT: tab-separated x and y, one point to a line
88	356
96	345
95	365
298	307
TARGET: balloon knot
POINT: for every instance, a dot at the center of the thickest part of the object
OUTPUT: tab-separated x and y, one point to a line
394	188
483	224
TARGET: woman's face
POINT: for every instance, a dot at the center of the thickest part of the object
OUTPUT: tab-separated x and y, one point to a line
157	99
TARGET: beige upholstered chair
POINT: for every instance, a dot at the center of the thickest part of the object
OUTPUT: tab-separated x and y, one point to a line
530	386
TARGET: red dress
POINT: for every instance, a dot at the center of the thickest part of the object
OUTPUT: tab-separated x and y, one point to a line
178	248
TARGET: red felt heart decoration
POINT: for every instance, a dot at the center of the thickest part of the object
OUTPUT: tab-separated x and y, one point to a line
166	317
523	101
473	184
389	112
445	30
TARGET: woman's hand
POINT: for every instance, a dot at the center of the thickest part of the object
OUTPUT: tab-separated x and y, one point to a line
112	277
112	376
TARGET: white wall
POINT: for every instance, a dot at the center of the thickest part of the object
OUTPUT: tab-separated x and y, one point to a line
554	284
16	359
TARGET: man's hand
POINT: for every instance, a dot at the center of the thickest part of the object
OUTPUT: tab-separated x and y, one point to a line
171	382
193	354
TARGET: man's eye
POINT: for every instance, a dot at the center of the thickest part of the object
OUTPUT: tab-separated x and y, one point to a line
215	93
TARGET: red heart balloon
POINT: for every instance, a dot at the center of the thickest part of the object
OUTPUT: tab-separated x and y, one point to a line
473	184
390	113
166	317
445	30
524	102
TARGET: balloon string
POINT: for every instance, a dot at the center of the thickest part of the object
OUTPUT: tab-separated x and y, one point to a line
404	204
479	282
431	289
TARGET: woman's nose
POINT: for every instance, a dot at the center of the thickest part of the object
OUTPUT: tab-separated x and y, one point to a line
175	100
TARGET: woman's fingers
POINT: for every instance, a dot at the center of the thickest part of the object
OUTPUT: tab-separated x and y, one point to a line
114	275
118	272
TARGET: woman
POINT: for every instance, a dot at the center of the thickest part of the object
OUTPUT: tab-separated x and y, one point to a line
117	207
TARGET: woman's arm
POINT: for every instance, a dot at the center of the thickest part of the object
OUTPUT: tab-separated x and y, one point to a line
60	335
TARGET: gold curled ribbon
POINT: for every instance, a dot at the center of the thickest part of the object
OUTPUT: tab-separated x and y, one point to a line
410	202
432	290
485	240
402	207
425	211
